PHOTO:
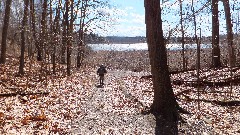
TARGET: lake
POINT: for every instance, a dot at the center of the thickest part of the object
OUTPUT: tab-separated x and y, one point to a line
141	46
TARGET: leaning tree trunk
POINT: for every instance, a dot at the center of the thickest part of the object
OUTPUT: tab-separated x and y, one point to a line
164	103
4	31
24	22
232	57
215	35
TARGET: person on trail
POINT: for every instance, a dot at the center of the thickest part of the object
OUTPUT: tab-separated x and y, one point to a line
101	71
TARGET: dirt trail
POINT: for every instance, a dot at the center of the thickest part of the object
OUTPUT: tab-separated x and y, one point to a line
106	113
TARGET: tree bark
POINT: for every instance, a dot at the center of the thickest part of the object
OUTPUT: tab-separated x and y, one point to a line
164	103
81	34
69	4
183	36
24	22
56	36
5	31
67	30
43	32
33	23
64	41
52	35
215	35
232	57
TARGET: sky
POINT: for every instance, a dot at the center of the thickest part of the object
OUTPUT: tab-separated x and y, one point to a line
131	17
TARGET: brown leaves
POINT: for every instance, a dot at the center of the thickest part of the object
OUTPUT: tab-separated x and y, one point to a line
75	106
1	115
41	111
215	118
55	129
2	119
27	119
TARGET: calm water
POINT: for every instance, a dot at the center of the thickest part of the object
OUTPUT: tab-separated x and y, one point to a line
141	46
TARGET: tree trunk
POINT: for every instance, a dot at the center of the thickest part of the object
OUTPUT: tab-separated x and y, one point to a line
43	32
56	33
64	42
70	38
232	57
215	35
24	22
81	35
52	35
79	53
182	30
33	23
69	34
164	103
4	31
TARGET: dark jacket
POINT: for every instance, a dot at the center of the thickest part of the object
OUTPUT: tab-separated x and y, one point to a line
101	71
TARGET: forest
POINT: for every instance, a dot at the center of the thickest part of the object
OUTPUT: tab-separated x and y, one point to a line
49	82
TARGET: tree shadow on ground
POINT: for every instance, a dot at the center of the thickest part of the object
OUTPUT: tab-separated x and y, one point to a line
99	86
163	127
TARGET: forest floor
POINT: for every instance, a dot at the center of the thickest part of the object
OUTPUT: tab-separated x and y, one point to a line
40	103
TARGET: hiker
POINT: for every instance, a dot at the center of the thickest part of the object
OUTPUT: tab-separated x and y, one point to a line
101	71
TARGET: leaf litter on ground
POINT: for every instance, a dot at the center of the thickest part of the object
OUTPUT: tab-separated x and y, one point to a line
75	105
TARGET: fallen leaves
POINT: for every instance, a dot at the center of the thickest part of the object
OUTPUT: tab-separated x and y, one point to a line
2	119
74	104
216	118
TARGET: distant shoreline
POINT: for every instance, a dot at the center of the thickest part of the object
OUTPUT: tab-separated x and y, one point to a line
138	60
141	46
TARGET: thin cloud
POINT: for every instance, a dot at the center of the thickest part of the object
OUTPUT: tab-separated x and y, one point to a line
127	23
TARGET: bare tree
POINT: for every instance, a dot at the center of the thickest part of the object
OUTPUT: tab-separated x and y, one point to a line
42	38
33	23
24	23
183	36
67	3
56	28
87	19
232	57
164	103
70	37
64	40
33	27
5	31
215	35
81	33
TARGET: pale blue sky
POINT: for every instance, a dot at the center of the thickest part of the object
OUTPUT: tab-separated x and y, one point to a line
131	20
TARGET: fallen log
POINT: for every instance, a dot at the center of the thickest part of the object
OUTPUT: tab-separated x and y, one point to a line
148	91
221	103
182	92
223	82
171	72
227	103
22	94
219	83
